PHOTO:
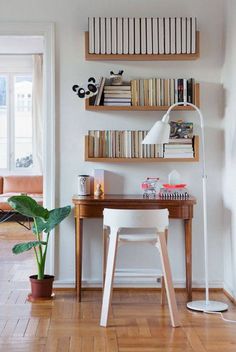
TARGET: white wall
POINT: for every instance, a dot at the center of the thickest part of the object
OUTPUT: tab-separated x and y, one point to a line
229	124
73	122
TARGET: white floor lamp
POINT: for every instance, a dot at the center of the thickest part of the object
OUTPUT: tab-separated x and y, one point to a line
159	134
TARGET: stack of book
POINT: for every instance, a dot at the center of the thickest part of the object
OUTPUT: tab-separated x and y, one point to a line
179	148
142	35
162	92
117	95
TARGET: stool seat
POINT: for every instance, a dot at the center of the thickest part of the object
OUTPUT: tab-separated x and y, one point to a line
117	221
138	238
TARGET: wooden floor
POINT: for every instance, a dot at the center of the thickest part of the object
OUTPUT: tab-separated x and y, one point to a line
138	323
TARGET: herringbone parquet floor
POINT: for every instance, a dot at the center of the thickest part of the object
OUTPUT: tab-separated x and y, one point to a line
138	323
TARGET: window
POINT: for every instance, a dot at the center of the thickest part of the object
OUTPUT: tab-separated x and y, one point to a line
16	121
3	122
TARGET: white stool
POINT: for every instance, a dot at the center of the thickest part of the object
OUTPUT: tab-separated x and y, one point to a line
140	238
117	219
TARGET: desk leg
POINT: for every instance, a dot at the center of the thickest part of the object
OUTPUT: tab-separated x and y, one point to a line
188	256
78	255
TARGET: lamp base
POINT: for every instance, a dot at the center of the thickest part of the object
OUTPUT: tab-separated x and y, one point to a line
207	306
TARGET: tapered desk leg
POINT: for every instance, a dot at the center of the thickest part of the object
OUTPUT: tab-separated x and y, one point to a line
78	255
188	256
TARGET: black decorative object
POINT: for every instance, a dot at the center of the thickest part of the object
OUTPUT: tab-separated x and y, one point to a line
86	90
116	78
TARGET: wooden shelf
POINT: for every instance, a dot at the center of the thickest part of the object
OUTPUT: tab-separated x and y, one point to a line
143	160
90	107
141	57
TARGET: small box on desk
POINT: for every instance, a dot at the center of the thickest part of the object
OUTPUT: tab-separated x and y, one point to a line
99	179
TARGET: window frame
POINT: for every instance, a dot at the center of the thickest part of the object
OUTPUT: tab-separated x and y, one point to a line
11	74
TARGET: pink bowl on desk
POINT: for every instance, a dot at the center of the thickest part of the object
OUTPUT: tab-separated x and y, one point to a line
180	185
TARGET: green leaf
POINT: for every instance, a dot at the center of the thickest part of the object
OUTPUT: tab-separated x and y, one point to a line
41	225
27	206
55	217
26	246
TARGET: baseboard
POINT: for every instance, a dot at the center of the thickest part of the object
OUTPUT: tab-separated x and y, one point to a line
134	282
64	284
228	291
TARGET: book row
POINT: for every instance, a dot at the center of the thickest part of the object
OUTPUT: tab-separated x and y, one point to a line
155	35
147	92
162	92
128	144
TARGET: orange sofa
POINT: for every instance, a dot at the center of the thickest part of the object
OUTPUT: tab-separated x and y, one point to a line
15	185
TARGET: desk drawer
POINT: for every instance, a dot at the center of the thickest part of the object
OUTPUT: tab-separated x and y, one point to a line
96	211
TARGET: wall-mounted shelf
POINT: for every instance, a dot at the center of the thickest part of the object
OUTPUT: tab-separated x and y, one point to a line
141	57
143	160
90	107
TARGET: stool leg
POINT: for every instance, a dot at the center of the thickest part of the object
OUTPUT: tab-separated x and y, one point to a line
107	292
174	315
105	245
163	289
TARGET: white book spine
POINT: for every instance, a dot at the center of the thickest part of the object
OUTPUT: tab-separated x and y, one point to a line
131	35
114	35
120	35
162	92
178	35
173	36
103	36
184	35
167	35
125	36
108	35
140	138
185	90
129	144
141	92
137	35
149	36
143	36
161	36
155	35
97	35
158	91
188	36
194	25
91	35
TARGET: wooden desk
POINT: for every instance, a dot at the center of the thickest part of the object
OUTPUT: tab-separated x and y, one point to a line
91	207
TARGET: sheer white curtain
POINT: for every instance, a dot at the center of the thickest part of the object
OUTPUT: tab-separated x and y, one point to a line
37	110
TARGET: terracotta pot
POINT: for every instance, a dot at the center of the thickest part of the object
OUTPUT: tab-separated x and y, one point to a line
41	288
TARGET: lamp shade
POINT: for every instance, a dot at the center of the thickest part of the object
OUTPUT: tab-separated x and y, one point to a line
158	134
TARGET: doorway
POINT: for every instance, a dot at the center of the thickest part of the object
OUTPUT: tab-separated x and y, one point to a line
20	42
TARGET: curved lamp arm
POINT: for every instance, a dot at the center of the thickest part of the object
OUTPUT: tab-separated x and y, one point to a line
165	119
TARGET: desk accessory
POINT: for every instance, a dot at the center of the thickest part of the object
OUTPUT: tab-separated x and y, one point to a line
174	177
83	185
150	187
177	191
98	192
99	180
160	133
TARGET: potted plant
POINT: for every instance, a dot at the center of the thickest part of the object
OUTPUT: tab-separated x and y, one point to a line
44	221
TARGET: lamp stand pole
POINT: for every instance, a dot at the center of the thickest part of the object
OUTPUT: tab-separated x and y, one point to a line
203	305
